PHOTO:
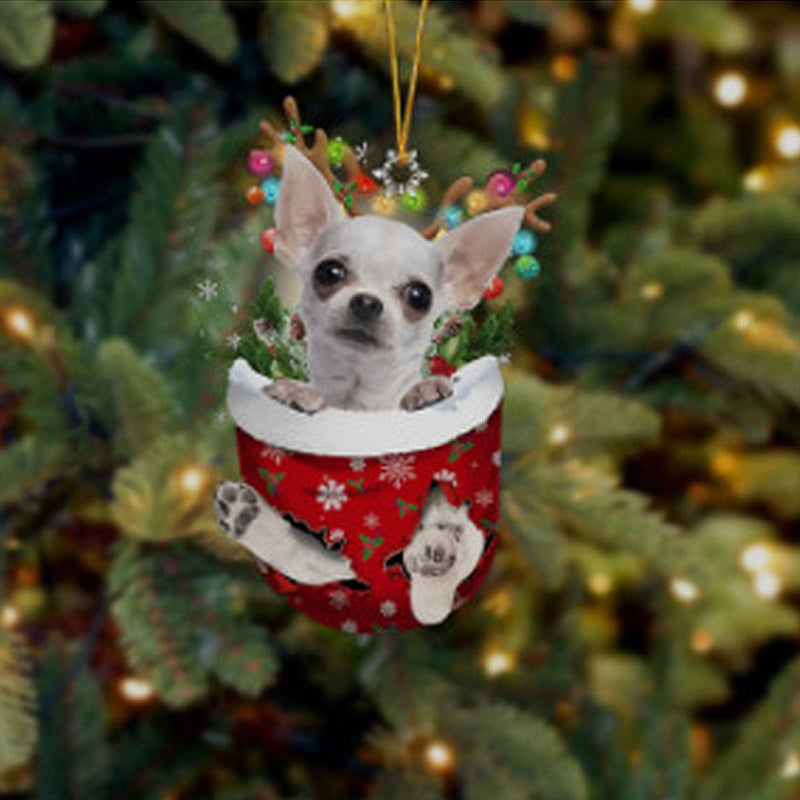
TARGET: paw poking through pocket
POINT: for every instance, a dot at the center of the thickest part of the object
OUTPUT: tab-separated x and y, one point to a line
445	550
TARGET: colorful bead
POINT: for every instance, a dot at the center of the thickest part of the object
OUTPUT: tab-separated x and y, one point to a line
336	151
453	216
527	267
501	183
366	184
259	163
268	240
255	195
476	202
524	242
271	187
414	200
494	288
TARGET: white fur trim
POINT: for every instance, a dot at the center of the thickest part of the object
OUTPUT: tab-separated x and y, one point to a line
478	388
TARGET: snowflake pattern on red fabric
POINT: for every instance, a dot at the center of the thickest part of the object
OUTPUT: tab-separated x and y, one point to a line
368	509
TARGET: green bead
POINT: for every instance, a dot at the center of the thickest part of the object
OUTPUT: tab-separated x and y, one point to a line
337	150
527	267
414	200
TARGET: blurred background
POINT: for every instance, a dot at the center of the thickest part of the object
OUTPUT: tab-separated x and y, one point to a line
638	634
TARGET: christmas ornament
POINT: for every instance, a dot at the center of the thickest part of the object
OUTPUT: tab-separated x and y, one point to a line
524	242
527	267
382	519
259	163
255	195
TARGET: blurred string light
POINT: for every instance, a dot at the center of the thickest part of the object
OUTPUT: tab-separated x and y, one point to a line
758	179
193	479
136	690
755	557
559	434
684	590
642	6
19	323
9	616
600	584
766	584
730	89
791	766
743	319
652	290
439	756
497	661
564	67
786	140
702	641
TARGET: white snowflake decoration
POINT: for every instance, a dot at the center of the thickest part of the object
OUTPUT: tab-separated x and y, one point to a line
349	626
207	289
484	497
272	453
388	608
446	476
497	458
358	464
335	536
371	520
360	151
331	495
234	340
387	173
397	470
338	599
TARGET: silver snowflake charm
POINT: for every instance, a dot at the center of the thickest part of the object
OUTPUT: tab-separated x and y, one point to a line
234	340
398	177
360	151
207	289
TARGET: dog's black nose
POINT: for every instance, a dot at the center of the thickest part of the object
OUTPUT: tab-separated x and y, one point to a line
365	307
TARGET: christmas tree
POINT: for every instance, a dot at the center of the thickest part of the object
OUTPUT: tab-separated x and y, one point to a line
637	636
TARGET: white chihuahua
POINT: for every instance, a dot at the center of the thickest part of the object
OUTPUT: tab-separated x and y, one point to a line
372	289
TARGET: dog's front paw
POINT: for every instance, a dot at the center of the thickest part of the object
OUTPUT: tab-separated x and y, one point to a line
300	396
426	393
237	505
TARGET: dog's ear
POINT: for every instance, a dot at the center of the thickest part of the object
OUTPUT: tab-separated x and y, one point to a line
304	207
473	253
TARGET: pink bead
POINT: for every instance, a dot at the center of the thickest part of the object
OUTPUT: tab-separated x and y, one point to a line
259	163
501	183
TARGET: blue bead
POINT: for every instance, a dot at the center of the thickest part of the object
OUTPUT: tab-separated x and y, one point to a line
270	187
453	216
524	242
527	267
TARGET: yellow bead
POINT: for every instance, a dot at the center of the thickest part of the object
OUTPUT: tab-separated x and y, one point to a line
476	202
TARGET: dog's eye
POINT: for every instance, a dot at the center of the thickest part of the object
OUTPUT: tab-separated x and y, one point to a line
417	295
330	272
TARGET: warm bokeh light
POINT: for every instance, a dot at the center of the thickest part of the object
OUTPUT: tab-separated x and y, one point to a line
564	67
439	756
757	179
730	89
791	766
193	479
642	6
18	321
683	590
702	641
767	585
743	320
347	9
9	616
652	290
600	584
755	557
559	434
497	662
136	690
787	140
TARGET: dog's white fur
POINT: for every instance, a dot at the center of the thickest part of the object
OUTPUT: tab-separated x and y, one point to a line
379	370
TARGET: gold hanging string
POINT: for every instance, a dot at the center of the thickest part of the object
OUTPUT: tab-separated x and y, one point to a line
402	120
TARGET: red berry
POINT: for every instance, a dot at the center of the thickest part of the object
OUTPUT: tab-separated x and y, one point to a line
494	288
255	195
440	366
268	240
366	185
